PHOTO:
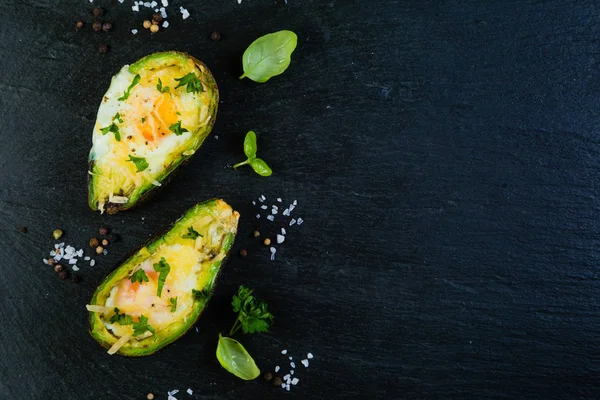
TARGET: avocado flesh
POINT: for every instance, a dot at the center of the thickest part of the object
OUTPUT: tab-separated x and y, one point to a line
194	265
114	182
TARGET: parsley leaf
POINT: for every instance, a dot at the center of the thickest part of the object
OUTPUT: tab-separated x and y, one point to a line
139	276
135	81
163	270
194	85
142	326
143	120
114	129
177	129
118	118
140	162
122	319
173	301
160	87
252	313
192	234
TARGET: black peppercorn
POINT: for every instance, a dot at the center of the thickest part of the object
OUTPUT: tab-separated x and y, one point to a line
51	261
98	12
157	17
107	26
76	278
63	275
58	268
215	36
96	26
268	376
94	243
103	48
79	24
277	381
243	253
103	230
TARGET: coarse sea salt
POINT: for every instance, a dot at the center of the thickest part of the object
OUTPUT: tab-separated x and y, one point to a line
277	368
273	251
309	356
263	207
92	263
270	217
295	381
190	391
75	268
165	24
280	239
279	199
293	364
257	216
283	351
305	363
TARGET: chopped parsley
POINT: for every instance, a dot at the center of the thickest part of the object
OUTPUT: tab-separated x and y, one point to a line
143	120
194	85
140	162
113	128
139	276
118	118
160	87
142	326
135	81
173	301
252	313
122	319
192	234
177	129
163	270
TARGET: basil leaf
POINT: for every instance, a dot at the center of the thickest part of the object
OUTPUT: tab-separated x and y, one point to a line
260	167
234	358
269	55
250	144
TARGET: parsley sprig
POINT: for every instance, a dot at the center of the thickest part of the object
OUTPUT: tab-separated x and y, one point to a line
252	313
122	319
192	83
163	270
113	128
192	234
136	80
161	88
139	276
140	163
177	129
142	326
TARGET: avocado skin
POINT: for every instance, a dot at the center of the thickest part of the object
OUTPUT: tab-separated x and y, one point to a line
99	332
152	61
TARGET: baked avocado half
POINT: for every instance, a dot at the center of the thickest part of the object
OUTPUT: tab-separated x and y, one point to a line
158	293
154	116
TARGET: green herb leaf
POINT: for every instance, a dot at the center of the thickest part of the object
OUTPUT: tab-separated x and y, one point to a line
142	326
136	80
114	129
253	315
118	118
122	319
139	276
192	234
163	270
250	149
140	163
234	358
160	87
143	120
269	55
250	144
173	301
177	129
194	85
260	167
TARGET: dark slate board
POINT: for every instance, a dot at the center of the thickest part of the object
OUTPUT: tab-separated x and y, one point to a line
444	155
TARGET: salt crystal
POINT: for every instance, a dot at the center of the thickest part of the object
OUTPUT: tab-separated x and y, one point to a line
165	24
153	4
135	31
165	2
295	203
257	216
135	8
73	261
305	363
274	211
45	261
163	12
172	392
86	258
300	221
280	239
290	358
270	217
295	381
105	252
292	221
283	232
275	207
92	263
291	207
190	391
287	387
263	207
262	196
273	251
292	372
75	268
283	351
52	253
121	1
56	246
285	378
277	368
286	212
283	384
293	364
279	199
309	356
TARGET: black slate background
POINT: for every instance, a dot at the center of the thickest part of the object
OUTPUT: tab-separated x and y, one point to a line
444	155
